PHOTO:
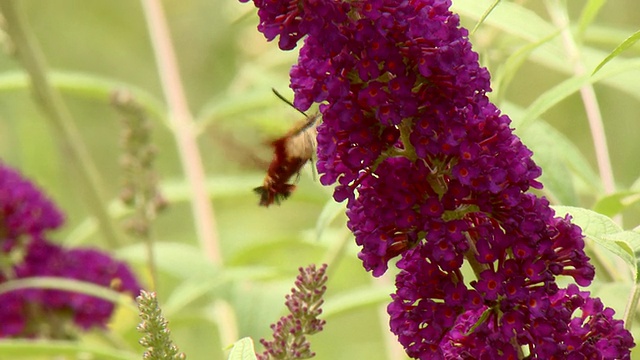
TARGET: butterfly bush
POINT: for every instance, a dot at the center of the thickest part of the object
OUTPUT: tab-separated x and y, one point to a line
433	174
26	216
24	211
305	305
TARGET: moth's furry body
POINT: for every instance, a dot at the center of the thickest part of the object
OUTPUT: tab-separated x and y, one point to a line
290	153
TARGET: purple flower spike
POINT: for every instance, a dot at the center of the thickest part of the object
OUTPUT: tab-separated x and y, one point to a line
46	259
24	210
433	173
25	216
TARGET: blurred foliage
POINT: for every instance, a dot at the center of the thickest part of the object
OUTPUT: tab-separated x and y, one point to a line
95	48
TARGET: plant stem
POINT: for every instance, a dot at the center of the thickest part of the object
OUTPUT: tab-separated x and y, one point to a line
558	13
184	128
139	189
51	102
632	306
336	252
560	19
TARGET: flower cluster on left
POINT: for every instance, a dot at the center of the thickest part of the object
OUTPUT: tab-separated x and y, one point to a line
26	216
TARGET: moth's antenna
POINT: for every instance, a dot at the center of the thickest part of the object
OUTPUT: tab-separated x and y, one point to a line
287	101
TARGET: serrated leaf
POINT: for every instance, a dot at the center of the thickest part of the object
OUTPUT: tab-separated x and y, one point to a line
243	349
614	204
629	42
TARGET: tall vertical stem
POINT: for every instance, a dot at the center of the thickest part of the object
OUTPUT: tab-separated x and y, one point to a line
559	18
184	128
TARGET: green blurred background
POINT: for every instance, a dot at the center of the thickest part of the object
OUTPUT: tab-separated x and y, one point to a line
228	71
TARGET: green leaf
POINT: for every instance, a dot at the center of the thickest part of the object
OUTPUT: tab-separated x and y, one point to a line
568	87
606	37
243	349
330	212
88	86
630	241
509	17
359	298
617	51
604	232
485	15
180	260
187	293
512	64
616	203
589	13
77	286
558	157
483	317
560	161
173	190
193	289
551	97
607	75
21	349
217	187
636	185
592	223
231	106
